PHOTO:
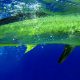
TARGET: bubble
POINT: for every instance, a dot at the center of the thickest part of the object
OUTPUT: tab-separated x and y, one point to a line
51	36
62	39
13	39
42	47
57	0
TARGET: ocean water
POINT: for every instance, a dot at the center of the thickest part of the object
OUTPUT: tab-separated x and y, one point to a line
38	64
41	63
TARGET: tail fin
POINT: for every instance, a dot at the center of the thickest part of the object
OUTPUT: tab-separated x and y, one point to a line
67	50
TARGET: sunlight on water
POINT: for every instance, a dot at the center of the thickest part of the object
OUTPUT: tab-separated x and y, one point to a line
16	7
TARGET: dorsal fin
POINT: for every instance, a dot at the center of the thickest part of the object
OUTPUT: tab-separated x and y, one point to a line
67	50
30	47
11	19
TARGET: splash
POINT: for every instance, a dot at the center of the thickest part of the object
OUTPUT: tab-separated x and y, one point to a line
15	7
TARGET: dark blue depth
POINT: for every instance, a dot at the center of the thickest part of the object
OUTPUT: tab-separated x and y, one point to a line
38	64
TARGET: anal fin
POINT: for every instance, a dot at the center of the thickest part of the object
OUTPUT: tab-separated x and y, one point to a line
29	47
67	50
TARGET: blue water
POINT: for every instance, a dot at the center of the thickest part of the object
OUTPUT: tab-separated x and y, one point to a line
41	63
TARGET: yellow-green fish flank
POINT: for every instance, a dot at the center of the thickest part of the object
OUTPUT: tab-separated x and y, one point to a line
57	29
51	29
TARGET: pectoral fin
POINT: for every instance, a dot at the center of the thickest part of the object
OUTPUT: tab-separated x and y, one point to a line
67	50
29	47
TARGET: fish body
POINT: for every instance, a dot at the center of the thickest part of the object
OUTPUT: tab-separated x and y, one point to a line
45	30
51	29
